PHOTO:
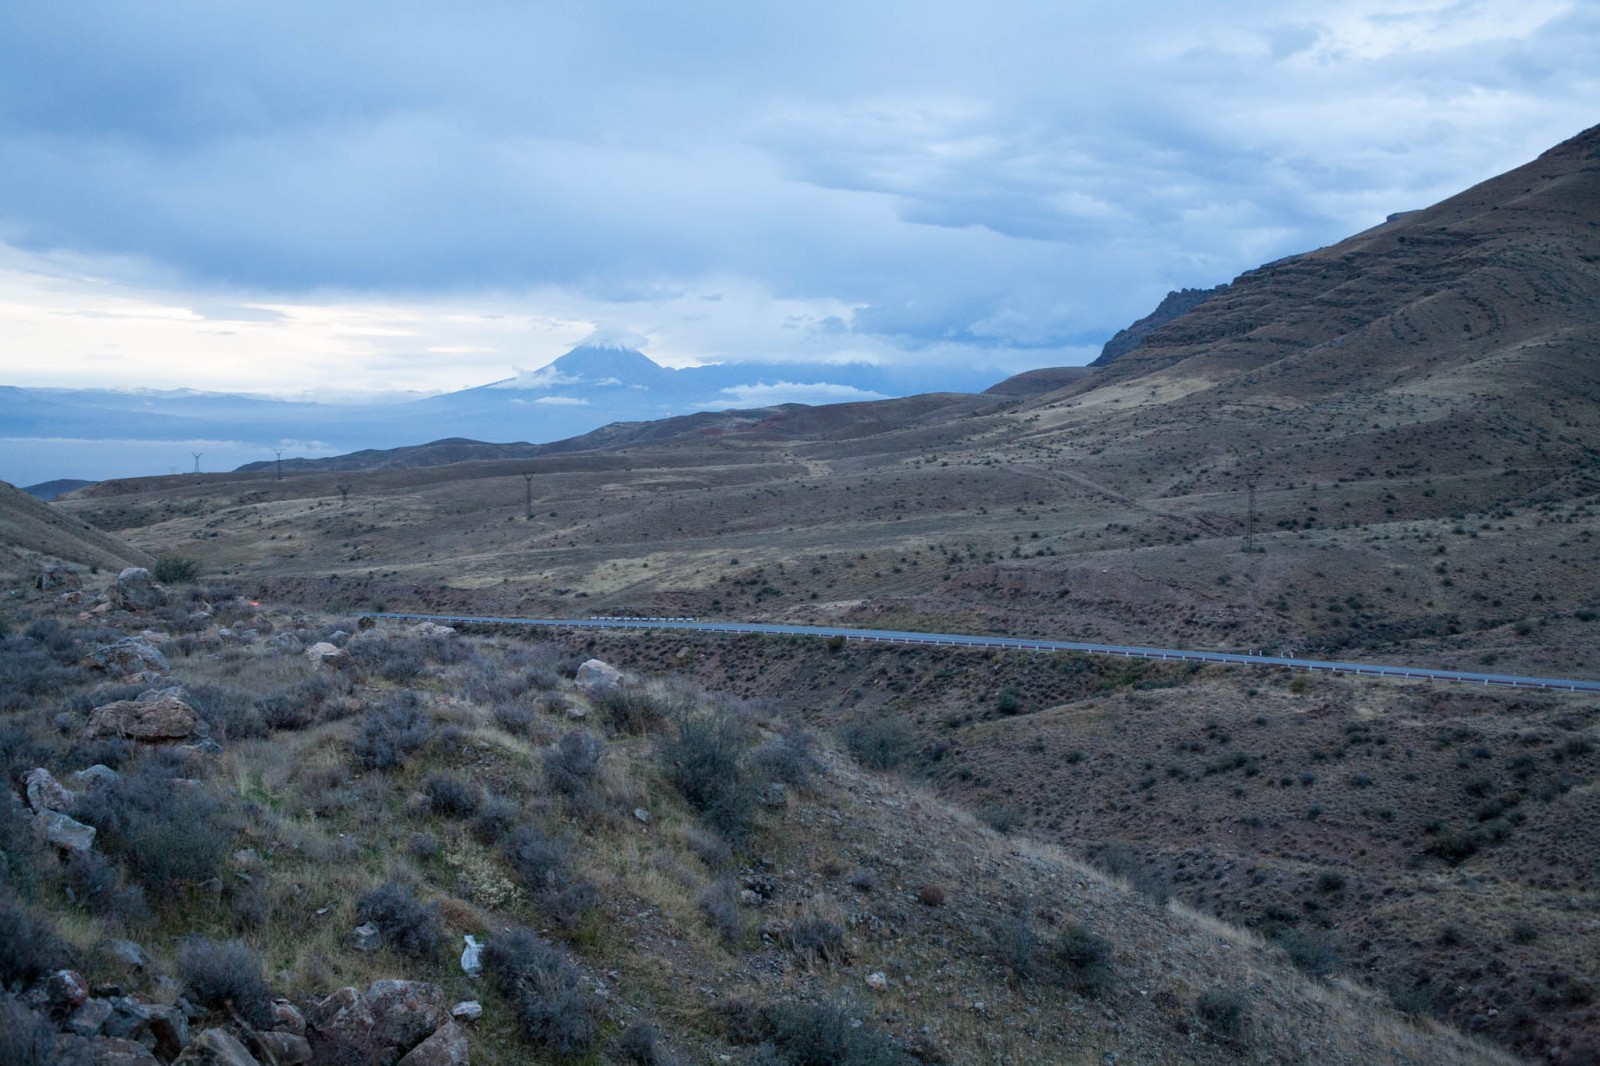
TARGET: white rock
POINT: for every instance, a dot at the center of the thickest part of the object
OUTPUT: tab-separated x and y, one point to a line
322	651
66	833
878	981
45	793
597	678
472	959
468	1010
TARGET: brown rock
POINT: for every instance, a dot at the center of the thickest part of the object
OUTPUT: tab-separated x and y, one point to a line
215	1047
283	1049
406	1012
163	718
136	590
127	656
446	1047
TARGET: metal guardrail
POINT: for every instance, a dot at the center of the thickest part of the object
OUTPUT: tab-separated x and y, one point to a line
1016	644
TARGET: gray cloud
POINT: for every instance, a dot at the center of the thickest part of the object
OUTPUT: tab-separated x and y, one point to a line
1018	180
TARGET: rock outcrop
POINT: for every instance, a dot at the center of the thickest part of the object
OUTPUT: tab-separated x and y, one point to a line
153	717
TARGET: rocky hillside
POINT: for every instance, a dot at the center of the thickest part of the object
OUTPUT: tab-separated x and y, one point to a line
248	835
31	529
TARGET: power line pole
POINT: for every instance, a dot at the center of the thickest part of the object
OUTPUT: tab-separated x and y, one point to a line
529	479
1250	529
279	453
197	456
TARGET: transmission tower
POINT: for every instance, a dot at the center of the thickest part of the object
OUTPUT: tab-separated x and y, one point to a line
197	456
279	453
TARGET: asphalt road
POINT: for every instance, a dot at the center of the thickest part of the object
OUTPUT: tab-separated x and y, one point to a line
1126	651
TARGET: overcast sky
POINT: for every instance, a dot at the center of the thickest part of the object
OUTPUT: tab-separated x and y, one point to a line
331	197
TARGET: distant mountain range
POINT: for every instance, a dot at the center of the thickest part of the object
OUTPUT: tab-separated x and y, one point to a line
49	434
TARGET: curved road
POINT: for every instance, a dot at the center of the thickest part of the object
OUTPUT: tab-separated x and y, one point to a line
1012	643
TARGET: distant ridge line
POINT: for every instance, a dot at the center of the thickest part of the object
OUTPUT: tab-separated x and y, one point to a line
1123	651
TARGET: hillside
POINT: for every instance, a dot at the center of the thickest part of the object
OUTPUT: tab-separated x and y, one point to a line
659	873
31	529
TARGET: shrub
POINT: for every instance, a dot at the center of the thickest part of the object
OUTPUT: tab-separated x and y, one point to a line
544	865
639	1043
572	764
230	713
1310	950
515	719
165	832
704	760
817	939
1330	881
720	902
452	797
99	886
632	709
26	1039
790	758
175	569
495	818
423	845
28	671
542	988
1016	945
410	927
392	732
1082	961
219	973
881	743
806	1034
930	896
29	946
1222	1009
23	857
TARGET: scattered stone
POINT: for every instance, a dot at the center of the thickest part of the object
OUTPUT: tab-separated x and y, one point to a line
322	651
152	717
168	1025
468	1010
129	954
87	1020
878	981
404	1013
115	1051
446	1047
57	576
577	711
216	1047
472	957
95	776
136	590
127	656
286	1018
775	795
597	678
642	815
66	991
367	937
65	833
750	897
45	793
283	1049
431	629
285	642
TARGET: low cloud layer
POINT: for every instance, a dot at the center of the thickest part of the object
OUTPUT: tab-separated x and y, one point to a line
427	197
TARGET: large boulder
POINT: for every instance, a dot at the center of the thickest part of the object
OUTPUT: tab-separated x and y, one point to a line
136	590
405	1013
216	1047
54	576
65	833
598	678
129	655
322	652
45	793
431	629
446	1047
379	1027
154	716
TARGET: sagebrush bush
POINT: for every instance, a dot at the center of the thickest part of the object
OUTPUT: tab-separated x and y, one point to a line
392	732
166	832
1311	950
825	1034
879	743
99	887
175	569
30	673
26	1039
230	713
790	758
544	866
24	860
409	926
1082	960
495	818
719	901
1222	1009
541	985
633	709
704	760
1017	946
219	974
452	797
29	945
572	768
817	939
640	1043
